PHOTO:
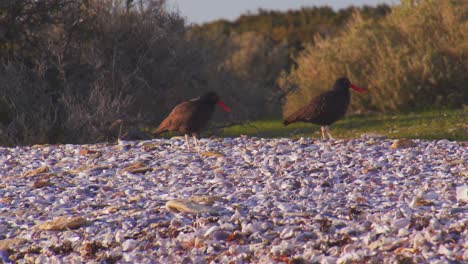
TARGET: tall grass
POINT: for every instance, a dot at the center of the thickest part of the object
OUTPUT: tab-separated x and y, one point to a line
416	57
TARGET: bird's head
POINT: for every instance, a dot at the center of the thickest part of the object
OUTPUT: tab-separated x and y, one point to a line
343	83
213	98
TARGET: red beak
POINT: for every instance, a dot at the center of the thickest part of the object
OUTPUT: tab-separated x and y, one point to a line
359	89
223	106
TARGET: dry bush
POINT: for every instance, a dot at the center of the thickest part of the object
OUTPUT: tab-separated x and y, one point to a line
32	115
94	62
132	53
416	57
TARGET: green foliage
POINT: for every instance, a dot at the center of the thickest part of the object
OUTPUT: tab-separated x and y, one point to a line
251	65
415	57
296	27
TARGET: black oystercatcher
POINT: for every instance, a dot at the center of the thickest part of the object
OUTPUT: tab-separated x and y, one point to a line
326	108
191	116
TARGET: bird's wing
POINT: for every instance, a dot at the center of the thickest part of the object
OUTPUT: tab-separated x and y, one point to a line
180	115
324	104
307	112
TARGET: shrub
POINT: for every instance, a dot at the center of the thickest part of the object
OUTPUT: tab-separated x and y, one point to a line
253	62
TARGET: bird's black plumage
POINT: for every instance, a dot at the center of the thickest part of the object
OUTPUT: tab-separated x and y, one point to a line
326	108
191	116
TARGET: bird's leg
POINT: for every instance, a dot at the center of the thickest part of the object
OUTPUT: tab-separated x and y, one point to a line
322	128
197	146
187	141
327	129
195	138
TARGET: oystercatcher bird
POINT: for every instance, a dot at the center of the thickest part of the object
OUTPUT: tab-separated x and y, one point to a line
326	108
191	116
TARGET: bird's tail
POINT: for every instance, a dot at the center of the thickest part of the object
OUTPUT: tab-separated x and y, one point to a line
295	117
163	127
158	131
290	119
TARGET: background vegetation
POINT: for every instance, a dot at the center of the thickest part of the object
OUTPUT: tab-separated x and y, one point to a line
415	57
70	69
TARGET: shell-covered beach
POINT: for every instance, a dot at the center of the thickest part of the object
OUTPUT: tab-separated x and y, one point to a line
236	200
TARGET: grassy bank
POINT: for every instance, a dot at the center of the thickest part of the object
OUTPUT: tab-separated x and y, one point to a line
440	124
